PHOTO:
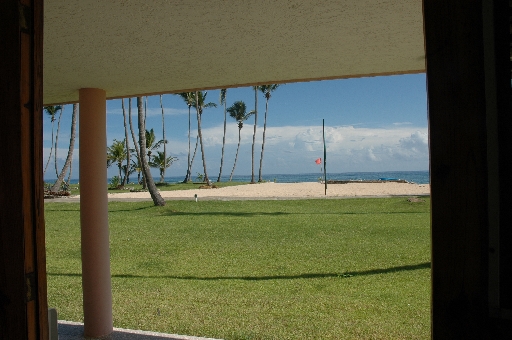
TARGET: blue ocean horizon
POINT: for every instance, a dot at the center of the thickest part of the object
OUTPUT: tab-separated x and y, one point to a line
419	177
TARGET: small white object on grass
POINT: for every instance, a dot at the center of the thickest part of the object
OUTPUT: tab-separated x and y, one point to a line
195	196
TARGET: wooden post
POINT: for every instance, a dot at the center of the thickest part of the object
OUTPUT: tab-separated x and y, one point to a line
23	305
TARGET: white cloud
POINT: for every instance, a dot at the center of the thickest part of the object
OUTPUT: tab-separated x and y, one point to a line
293	149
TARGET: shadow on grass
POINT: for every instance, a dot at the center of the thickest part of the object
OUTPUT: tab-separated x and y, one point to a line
378	271
226	213
113	210
110	209
282	213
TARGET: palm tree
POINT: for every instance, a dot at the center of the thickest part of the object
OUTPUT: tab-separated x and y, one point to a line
189	99
163	135
116	153
136	166
75	109
127	171
155	195
266	89
200	105
238	111
161	163
56	141
69	158
223	102
136	146
151	144
126	178
51	111
254	134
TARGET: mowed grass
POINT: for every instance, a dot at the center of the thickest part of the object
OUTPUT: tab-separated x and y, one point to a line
303	269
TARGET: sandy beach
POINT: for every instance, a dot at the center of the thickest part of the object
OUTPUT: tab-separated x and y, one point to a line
272	190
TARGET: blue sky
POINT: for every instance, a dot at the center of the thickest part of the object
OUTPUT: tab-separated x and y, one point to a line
372	124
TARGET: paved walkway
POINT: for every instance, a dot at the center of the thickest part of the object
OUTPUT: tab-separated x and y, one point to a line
74	331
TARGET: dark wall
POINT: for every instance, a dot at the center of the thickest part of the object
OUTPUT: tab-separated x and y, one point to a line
458	167
23	308
502	16
469	110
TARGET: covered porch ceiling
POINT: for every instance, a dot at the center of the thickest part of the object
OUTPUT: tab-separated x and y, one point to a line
132	47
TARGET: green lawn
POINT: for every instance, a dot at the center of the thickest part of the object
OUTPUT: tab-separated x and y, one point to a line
305	269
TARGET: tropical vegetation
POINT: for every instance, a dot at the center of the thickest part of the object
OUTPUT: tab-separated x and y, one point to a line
266	90
188	97
161	162
223	94
60	187
51	111
238	111
200	104
116	154
69	158
254	133
155	195
126	178
129	158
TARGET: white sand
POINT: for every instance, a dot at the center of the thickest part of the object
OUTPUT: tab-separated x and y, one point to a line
291	190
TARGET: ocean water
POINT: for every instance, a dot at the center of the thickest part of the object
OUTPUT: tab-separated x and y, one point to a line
419	177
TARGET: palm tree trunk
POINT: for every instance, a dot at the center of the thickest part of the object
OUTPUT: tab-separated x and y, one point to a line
194	155
155	195
144	179
70	171
75	109
69	158
51	149
189	164
236	156
206	179
260	179
126	178
223	99
136	146
254	134
56	140
162	175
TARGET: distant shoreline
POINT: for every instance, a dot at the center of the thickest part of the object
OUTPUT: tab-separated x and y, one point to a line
418	176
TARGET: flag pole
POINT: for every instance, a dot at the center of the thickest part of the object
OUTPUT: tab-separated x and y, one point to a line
325	155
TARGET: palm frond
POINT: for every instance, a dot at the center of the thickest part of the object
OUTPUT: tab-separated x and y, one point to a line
238	111
223	96
52	110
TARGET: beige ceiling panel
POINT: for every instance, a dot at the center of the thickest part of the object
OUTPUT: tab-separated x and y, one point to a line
135	47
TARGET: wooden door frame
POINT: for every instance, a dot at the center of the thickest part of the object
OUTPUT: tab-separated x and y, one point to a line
23	304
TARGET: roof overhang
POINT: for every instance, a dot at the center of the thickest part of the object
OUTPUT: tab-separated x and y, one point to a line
131	47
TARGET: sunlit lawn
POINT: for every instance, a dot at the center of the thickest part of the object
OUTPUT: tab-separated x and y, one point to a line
305	269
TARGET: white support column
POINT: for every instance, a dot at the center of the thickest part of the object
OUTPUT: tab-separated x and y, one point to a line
96	282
